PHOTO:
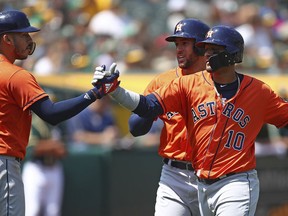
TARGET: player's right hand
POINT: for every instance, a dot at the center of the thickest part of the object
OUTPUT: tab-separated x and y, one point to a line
100	72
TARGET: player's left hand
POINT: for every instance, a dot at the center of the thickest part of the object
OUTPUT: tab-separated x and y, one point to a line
105	81
99	74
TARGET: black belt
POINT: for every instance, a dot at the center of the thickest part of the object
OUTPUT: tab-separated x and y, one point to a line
211	181
178	164
18	159
11	157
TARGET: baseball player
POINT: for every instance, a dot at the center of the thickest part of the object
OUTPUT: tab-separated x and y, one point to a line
177	191
224	111
19	96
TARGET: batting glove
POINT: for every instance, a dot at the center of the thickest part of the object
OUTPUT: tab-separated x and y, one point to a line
100	72
106	81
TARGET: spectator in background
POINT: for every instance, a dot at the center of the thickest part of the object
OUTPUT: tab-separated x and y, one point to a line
164	52
134	24
52	61
95	126
225	12
114	22
259	49
104	51
43	175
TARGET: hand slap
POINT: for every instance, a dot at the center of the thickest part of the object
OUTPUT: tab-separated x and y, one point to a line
100	73
107	81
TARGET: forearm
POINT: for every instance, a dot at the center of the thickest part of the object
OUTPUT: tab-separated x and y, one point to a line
54	113
144	106
126	98
139	126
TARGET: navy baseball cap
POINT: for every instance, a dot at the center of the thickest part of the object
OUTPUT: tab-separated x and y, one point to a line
15	21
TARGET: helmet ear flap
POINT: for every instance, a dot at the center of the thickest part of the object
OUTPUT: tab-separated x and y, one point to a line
221	59
238	56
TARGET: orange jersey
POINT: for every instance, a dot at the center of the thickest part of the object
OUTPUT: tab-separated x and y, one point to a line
19	90
173	138
223	135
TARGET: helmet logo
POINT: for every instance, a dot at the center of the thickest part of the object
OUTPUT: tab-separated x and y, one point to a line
209	34
179	27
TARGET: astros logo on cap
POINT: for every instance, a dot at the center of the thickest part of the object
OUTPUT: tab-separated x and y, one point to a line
209	34
179	27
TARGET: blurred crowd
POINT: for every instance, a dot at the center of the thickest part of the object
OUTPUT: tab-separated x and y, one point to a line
78	35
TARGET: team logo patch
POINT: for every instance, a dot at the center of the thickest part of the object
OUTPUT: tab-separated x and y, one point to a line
179	27
209	34
108	86
86	96
171	114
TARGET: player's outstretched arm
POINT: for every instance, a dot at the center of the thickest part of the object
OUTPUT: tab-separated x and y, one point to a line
139	126
145	106
54	113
